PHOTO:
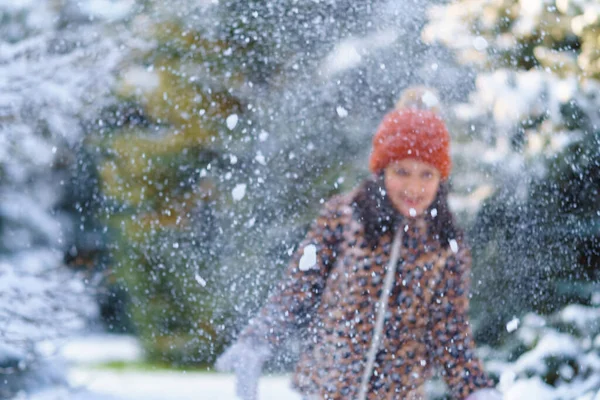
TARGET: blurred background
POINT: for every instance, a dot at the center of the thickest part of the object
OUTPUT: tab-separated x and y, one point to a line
160	161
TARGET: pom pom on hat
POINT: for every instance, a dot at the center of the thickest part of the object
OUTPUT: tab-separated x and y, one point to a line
420	98
413	130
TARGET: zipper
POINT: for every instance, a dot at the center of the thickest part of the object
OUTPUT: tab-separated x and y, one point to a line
383	302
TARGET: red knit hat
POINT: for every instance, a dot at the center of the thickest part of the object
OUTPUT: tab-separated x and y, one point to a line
412	133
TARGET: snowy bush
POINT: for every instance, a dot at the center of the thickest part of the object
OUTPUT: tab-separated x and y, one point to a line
55	71
553	357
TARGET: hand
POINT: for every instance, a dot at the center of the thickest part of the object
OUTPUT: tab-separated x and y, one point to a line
485	394
246	360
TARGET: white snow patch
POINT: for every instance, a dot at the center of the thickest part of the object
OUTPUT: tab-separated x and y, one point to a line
200	280
453	245
309	258
344	56
480	43
96	349
579	315
551	344
172	385
532	388
430	99
107	9
232	121
512	325
239	191
260	158
341	112
62	393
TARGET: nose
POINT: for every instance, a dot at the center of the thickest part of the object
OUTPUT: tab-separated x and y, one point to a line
413	188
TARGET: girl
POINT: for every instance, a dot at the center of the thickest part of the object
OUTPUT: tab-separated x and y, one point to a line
380	284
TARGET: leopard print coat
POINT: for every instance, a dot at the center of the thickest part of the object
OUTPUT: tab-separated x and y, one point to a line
331	290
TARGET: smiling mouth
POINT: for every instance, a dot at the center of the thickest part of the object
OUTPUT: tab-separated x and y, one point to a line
411	202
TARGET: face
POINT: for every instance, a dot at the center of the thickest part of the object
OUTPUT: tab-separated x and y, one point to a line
411	185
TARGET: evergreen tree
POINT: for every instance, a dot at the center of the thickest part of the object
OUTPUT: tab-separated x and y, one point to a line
55	66
163	155
553	356
533	127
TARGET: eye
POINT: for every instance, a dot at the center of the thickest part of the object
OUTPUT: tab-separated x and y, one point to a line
401	172
427	175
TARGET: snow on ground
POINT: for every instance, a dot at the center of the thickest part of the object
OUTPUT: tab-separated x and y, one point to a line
92	383
171	385
95	349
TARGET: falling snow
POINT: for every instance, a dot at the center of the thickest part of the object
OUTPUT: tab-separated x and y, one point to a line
309	258
160	164
239	191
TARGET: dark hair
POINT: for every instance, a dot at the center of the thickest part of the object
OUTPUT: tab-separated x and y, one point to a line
378	215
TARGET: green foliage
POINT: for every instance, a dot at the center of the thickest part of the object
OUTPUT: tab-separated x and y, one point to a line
144	366
157	146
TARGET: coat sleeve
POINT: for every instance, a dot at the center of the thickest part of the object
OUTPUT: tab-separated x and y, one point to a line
451	340
296	296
